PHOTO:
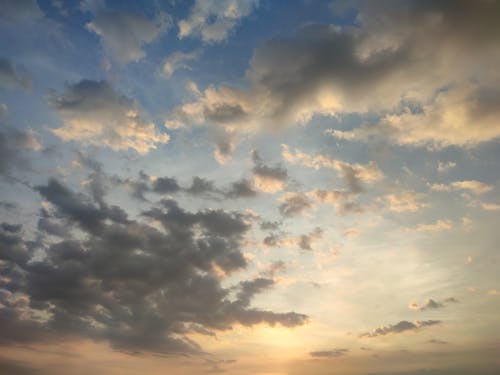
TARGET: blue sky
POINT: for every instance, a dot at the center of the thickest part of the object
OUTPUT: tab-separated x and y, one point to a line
249	186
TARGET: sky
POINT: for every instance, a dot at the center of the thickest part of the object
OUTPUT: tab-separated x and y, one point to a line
250	187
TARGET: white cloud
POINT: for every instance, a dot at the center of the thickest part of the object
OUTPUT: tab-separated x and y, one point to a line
443	167
472	186
213	20
421	55
179	60
404	201
351	173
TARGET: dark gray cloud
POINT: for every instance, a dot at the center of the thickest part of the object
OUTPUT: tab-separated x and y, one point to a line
305	240
294	204
201	186
268	179
124	281
432	305
402	326
329	353
98	183
241	189
165	185
12	75
270	225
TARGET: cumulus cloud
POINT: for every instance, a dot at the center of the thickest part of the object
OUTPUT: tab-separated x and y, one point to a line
124	35
294	204
268	179
13	75
353	174
241	189
402	326
213	20
136	286
344	201
178	60
404	201
95	113
438	56
303	241
449	119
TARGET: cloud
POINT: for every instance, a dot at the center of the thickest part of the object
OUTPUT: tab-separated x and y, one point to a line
490	206
294	204
443	167
472	186
268	179
14	146
94	113
121	280
213	20
402	326
446	120
436	341
432	304
165	185
303	241
353	174
329	353
178	60
404	201
124	35
381	66
438	226
344	201
13	75
241	189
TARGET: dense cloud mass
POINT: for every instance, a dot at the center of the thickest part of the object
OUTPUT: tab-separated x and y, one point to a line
249	187
428	65
106	276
